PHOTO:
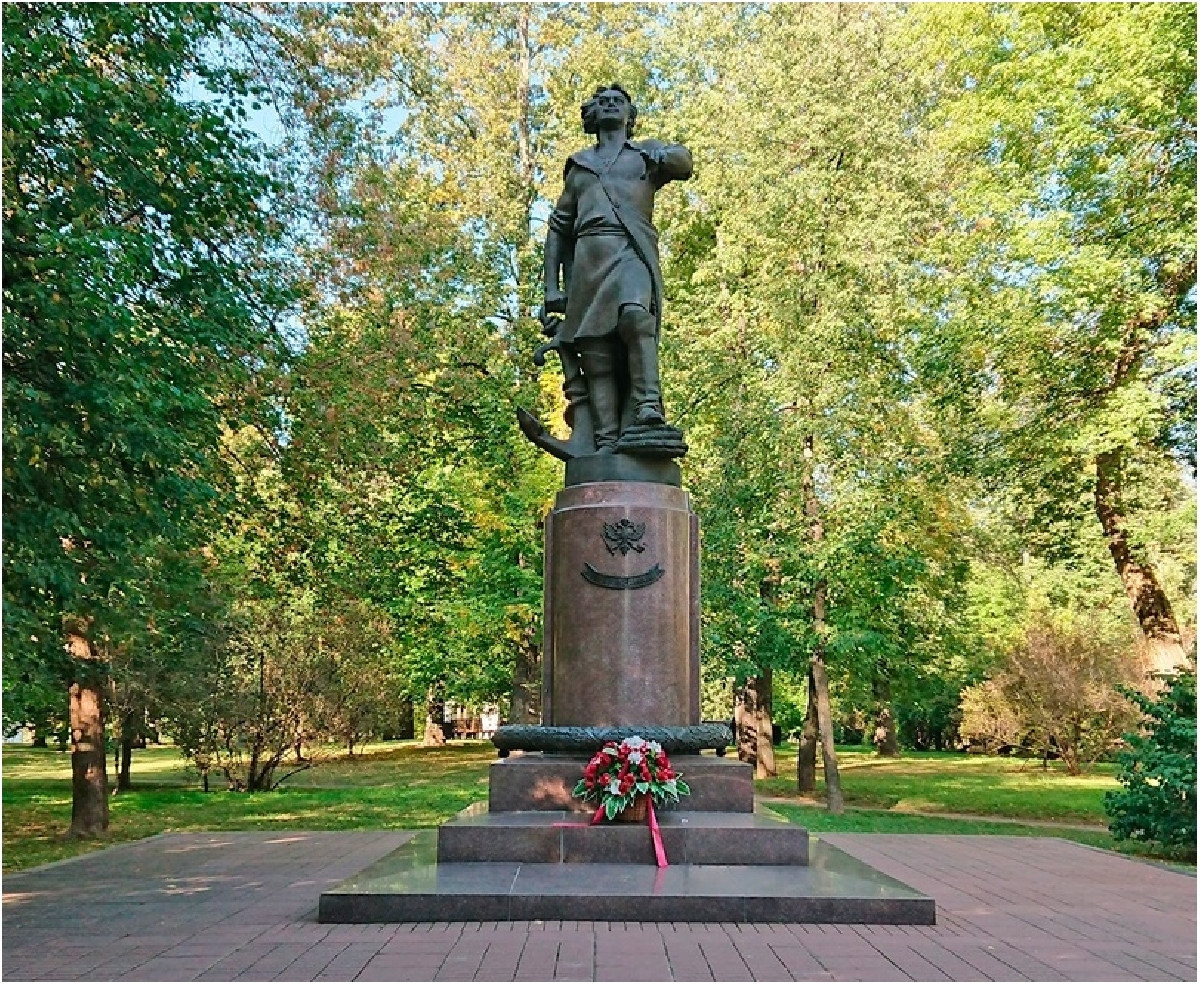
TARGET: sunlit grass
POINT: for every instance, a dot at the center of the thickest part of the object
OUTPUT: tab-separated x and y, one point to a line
958	784
390	786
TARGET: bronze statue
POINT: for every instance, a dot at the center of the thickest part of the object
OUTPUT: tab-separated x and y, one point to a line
603	289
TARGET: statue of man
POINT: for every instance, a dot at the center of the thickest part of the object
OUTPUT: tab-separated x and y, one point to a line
602	277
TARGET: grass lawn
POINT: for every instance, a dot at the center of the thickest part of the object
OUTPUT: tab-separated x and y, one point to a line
954	783
403	785
397	785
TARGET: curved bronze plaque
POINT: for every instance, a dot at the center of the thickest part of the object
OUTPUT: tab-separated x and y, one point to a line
623	582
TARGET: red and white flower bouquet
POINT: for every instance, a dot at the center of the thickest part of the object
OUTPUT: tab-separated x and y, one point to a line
622	772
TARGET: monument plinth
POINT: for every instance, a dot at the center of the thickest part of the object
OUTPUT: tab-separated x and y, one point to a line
621	645
621	642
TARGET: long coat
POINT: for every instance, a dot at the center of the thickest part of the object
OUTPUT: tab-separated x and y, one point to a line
606	214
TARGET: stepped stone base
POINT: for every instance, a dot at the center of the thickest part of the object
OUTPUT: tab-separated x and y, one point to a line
544	781
410	885
689	837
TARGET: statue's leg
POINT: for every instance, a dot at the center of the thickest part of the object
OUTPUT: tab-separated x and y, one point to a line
637	330
596	356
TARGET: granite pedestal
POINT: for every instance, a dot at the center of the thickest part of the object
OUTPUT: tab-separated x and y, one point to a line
411	885
543	782
690	837
622	607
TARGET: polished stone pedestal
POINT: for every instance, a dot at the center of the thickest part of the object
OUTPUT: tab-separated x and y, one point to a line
689	837
621	651
411	885
544	781
621	615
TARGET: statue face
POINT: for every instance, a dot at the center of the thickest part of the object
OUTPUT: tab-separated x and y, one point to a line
612	110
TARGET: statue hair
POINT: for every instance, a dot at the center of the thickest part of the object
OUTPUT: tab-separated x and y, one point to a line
588	110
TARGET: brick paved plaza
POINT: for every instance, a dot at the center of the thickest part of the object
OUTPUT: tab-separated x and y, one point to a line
242	906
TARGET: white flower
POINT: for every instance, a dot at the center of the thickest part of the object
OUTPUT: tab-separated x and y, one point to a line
654	747
614	785
636	757
635	742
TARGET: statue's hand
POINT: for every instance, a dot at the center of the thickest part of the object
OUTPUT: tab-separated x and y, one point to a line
553	312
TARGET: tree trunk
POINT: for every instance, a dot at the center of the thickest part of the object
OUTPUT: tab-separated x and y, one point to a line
768	590
1149	601
812	510
745	725
755	728
525	706
406	727
806	758
260	775
435	713
884	737
89	766
123	780
833	781
765	724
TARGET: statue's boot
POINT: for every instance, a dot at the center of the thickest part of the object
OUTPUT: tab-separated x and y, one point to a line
598	365
637	331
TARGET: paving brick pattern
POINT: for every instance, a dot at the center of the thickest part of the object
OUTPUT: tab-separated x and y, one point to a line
242	907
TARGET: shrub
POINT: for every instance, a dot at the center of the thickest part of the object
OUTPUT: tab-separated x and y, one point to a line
1057	693
1158	772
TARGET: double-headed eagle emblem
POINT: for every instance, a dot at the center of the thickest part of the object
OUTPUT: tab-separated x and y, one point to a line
624	536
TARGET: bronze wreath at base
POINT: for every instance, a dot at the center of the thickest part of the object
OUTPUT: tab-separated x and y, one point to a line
684	739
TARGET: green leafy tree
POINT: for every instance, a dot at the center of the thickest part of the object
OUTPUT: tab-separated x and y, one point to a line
1060	307
832	533
417	491
139	294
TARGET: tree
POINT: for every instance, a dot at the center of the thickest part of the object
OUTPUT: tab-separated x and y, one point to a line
402	439
140	291
790	263
1060	308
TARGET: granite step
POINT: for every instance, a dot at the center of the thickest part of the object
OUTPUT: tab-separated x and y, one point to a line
545	781
689	837
411	886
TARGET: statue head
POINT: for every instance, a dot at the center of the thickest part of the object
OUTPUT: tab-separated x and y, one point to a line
592	110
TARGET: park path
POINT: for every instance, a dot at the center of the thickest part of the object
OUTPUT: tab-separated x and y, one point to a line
242	906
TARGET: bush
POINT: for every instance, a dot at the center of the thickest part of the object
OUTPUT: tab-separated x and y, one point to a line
1158	772
1058	693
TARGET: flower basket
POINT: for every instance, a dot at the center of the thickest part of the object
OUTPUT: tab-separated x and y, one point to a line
635	812
623	773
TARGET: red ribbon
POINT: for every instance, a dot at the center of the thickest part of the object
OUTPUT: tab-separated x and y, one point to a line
660	854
